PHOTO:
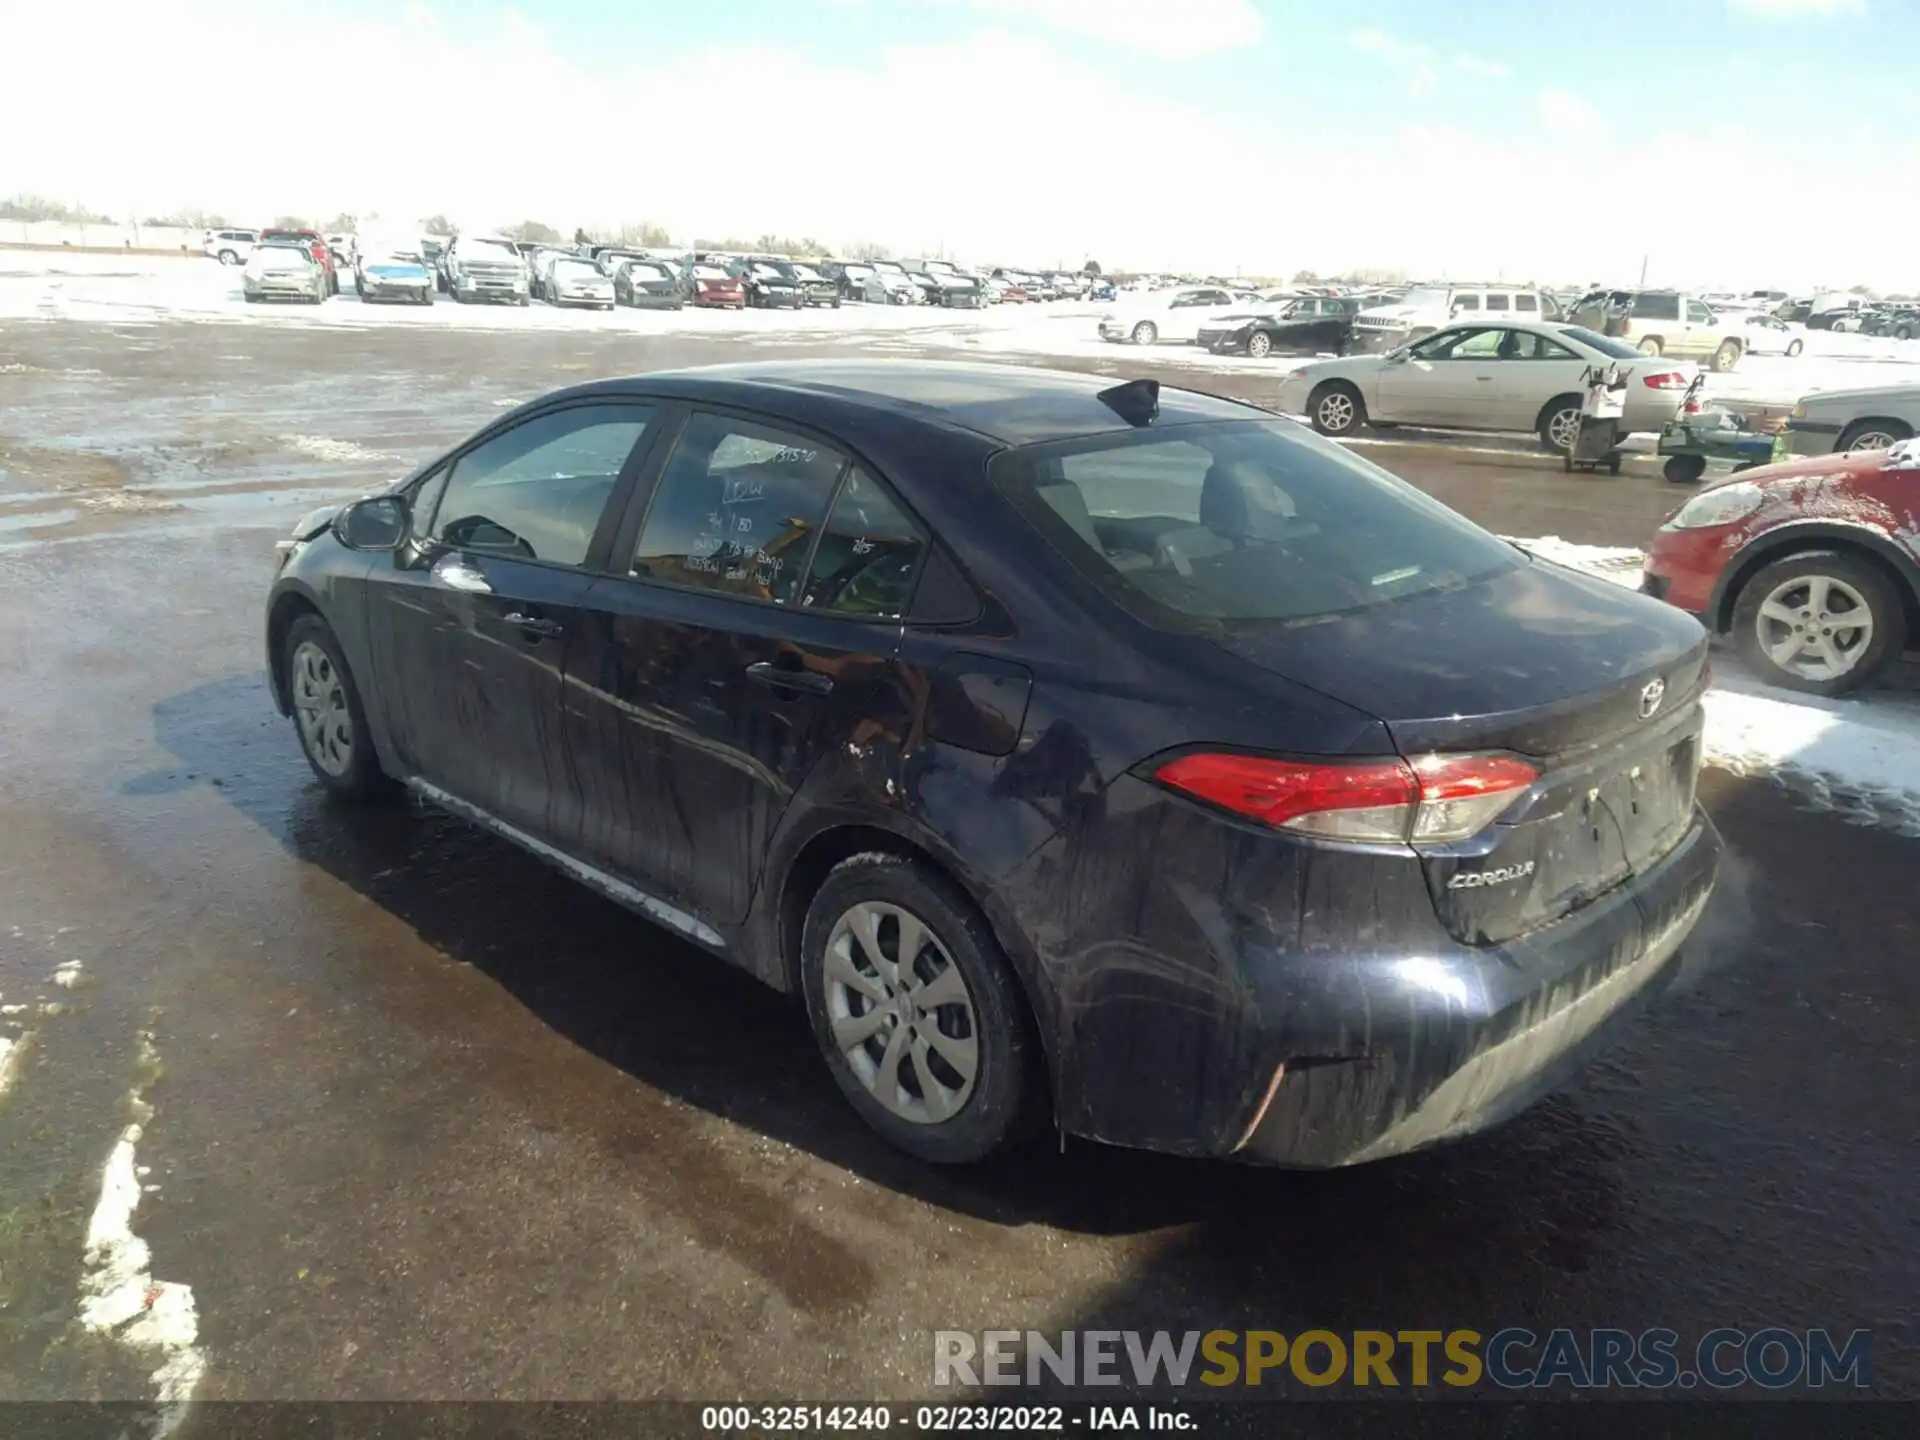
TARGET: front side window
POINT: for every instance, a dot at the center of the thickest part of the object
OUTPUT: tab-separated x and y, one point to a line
737	509
1466	302
1699	314
1444	344
537	491
1241	521
1527	345
1526	304
1481	345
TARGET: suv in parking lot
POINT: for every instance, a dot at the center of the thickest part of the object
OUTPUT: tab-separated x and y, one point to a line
1670	322
1425	308
231	247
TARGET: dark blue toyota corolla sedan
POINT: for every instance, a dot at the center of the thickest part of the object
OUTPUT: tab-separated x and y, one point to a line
1108	755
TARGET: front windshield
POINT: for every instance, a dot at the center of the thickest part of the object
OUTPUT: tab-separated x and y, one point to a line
767	272
1605	344
1426	297
710	272
807	272
400	257
1243	521
489	250
645	270
574	270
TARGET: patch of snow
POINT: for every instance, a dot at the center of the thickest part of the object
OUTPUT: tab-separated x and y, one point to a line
67	974
12	1051
319	447
118	1294
1610	562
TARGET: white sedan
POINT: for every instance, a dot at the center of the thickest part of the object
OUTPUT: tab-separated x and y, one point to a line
1169	314
1513	376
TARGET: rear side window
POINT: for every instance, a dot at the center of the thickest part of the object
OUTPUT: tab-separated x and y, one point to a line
1466	302
737	509
537	491
868	554
1525	303
1497	302
1656	307
1250	521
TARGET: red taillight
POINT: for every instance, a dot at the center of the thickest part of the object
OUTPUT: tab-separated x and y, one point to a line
1437	799
1666	380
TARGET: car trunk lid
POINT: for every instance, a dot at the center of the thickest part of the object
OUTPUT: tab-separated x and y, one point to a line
1597	687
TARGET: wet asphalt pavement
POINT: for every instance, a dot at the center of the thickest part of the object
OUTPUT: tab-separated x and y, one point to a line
429	1120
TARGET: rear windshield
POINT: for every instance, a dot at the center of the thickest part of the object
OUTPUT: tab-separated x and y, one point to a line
1605	344
1250	520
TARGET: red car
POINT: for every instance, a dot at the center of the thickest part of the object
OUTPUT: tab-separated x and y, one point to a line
714	286
1812	566
316	246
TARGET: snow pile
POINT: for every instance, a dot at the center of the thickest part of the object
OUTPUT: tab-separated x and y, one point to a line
344	452
1610	562
118	1294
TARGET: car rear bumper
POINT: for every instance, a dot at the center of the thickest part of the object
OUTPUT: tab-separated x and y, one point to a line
1449	1044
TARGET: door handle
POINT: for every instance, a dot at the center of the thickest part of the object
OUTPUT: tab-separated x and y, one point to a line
779	677
534	625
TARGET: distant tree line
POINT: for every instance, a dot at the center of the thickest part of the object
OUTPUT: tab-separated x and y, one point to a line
31	208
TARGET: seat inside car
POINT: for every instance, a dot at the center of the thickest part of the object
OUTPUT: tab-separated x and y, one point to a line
1066	500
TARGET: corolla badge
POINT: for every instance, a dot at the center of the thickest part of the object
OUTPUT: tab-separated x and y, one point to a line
1650	697
1478	879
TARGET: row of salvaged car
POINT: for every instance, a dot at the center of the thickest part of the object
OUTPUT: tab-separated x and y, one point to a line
487	268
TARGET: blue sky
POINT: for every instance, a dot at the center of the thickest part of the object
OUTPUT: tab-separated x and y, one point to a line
1722	140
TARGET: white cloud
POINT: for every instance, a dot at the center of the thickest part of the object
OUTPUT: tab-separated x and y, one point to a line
1797	7
1566	113
429	117
1176	29
1414	63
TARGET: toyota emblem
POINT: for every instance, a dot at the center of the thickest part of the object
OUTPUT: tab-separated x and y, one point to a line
1650	698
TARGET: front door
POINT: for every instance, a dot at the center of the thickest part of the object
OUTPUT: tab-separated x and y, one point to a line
748	626
1424	388
469	627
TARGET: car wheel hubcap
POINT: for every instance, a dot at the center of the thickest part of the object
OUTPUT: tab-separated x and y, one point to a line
1564	428
1815	627
1258	346
900	1012
1336	412
1872	440
320	705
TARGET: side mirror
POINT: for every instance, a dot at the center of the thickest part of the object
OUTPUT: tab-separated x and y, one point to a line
381	522
1398	356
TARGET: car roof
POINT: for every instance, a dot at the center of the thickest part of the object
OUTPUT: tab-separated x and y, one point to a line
1013	405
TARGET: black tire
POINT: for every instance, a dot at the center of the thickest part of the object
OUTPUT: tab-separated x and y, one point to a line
1652	345
1684	469
1552	411
1794	347
250	299
523	302
1903	332
363	779
1259	345
1726	357
1867	579
1868	434
1325	417
1006	1101
1613	465
228	257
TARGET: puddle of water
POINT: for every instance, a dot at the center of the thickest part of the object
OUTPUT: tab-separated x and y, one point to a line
21	524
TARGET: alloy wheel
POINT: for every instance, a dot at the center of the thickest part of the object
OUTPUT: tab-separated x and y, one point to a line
1258	344
901	1013
1563	428
1335	411
320	706
1814	626
1871	440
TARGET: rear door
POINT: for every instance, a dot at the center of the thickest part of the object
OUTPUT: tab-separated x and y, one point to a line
469	629
755	605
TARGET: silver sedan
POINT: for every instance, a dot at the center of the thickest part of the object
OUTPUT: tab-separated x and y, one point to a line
1514	375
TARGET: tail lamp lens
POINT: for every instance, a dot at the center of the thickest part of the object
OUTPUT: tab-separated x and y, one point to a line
1437	799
